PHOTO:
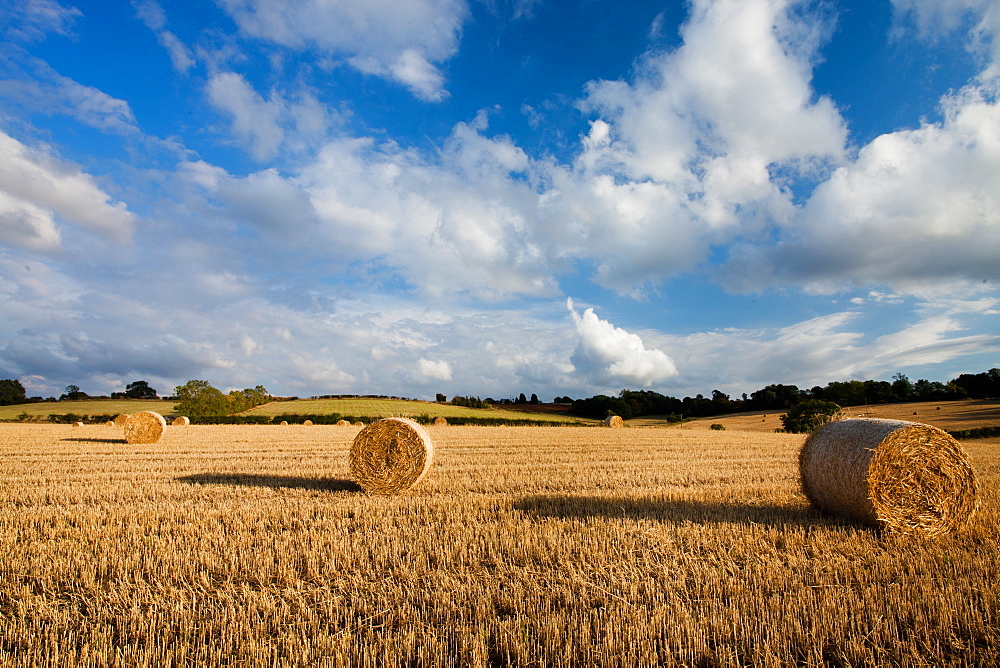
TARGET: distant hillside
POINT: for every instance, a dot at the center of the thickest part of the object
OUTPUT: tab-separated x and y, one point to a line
376	408
86	407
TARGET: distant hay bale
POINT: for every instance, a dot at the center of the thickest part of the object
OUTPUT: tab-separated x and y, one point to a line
121	420
283	423
343	423
391	455
109	423
614	421
182	421
359	424
77	424
440	421
144	427
307	422
903	476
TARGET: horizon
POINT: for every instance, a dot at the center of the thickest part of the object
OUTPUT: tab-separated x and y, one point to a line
325	197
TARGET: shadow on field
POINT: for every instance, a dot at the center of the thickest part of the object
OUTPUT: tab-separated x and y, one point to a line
275	481
120	441
672	510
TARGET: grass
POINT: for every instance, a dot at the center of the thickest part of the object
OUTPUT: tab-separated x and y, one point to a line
524	546
377	408
87	407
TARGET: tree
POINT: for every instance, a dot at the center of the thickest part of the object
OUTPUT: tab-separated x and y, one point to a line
139	389
521	399
534	398
199	399
11	392
805	416
440	398
73	392
902	387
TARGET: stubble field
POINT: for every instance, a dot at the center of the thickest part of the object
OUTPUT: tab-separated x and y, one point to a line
525	546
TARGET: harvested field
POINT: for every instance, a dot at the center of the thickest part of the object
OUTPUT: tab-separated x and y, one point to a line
523	546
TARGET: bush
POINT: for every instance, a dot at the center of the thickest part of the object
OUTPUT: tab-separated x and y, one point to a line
718	427
806	416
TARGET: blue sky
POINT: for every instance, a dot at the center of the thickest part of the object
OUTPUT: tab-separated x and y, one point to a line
497	196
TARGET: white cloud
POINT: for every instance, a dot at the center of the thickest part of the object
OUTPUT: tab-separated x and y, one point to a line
33	84
399	39
153	17
609	355
31	20
255	121
36	185
918	210
436	369
682	158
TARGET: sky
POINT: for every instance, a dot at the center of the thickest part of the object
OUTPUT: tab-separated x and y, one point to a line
489	197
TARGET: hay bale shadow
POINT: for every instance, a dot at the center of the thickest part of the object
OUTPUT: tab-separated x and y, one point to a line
119	441
273	481
659	509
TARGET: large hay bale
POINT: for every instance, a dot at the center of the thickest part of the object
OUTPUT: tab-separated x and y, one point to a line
391	455
903	476
121	420
182	421
440	421
614	421
144	427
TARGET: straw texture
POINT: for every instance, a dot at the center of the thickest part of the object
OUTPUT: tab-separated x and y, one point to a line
144	427
121	420
390	456
906	477
440	421
614	421
182	421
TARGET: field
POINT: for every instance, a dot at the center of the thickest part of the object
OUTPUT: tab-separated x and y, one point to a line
376	408
87	407
548	546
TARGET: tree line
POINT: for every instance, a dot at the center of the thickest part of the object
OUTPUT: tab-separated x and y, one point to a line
635	403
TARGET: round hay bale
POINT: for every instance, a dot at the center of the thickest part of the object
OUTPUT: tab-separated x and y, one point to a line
144	427
121	420
359	424
391	455
614	421
343	423
182	421
283	423
906	477
109	423
77	424
440	421
308	422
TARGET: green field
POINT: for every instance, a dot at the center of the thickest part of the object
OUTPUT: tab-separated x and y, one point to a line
378	408
88	407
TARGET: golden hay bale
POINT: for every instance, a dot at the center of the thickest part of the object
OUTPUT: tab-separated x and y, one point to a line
121	420
77	424
391	455
343	423
440	422
359	424
144	427
614	421
182	421
109	423
284	423
904	476
307	422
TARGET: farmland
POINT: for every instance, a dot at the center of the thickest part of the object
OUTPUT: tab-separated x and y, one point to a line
524	546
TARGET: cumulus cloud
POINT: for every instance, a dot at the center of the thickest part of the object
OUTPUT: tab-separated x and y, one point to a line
436	369
685	156
610	355
398	39
918	210
35	185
